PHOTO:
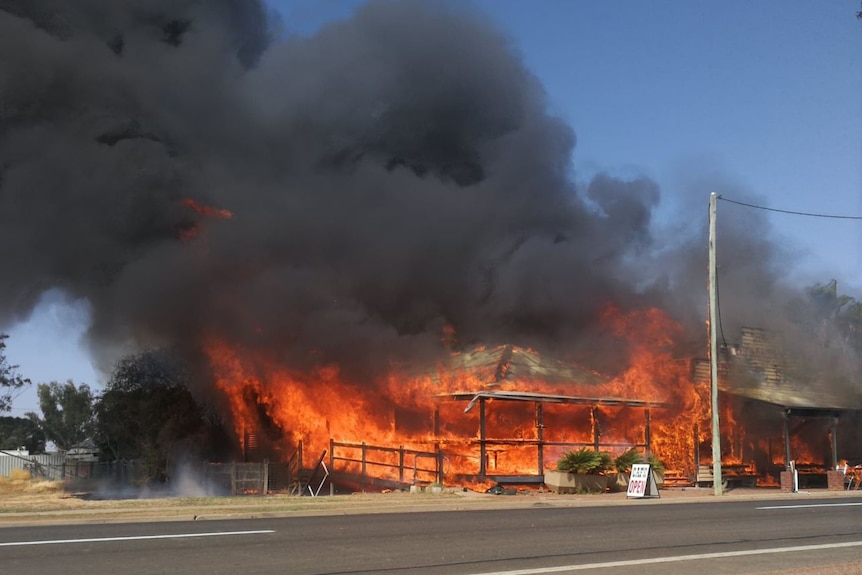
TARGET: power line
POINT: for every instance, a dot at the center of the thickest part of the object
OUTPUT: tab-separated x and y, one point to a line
791	212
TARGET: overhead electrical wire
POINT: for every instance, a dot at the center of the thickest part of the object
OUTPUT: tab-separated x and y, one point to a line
780	211
791	212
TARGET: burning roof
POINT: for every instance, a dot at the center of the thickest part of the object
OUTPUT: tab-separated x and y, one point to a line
509	364
512	373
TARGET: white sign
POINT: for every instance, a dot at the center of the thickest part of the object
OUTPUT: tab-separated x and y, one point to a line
642	482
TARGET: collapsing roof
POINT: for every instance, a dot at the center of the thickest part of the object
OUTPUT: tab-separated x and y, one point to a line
507	363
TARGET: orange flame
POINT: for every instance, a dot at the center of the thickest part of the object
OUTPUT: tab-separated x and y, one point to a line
410	411
206	211
191	231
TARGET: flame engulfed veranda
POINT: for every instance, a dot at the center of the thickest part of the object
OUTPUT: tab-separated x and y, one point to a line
398	408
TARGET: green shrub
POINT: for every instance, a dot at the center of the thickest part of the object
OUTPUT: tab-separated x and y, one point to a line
606	461
584	461
623	463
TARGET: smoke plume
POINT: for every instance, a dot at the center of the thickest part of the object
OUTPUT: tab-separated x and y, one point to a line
336	198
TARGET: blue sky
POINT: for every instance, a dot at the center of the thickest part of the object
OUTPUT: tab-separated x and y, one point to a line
756	98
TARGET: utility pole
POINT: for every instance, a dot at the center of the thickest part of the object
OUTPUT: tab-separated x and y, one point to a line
713	349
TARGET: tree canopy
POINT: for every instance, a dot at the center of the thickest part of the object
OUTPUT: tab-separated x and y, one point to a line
16	432
10	380
836	319
148	412
67	413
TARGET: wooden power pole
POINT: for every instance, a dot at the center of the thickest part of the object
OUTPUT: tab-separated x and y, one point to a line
713	349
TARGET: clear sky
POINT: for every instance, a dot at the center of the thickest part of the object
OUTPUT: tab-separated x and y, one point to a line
761	98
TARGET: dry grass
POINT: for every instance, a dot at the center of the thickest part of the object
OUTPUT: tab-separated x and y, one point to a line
20	482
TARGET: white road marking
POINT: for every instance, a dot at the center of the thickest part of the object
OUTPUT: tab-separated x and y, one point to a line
803	506
672	559
134	538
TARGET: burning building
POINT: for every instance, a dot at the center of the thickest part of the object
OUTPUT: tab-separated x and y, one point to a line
777	410
502	413
348	234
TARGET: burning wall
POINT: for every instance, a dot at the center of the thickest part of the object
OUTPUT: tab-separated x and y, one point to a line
765	386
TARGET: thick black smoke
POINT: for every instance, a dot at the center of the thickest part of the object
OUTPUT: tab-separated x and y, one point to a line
388	176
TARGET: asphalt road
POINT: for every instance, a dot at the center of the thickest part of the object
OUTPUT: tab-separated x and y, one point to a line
726	537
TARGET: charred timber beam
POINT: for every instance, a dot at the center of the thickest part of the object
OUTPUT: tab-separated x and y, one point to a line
696	446
473	396
482	437
594	417
489	442
540	436
647	432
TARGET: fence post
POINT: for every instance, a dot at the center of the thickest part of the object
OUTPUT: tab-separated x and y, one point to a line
233	478
364	455
265	482
401	464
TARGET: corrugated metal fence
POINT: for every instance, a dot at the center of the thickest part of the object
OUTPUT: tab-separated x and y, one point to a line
219	478
51	464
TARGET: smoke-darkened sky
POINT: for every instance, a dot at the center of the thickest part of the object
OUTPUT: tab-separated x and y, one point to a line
410	166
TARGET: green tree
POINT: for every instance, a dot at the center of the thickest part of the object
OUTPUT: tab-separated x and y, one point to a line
67	413
825	348
23	432
10	381
147	412
826	300
837	318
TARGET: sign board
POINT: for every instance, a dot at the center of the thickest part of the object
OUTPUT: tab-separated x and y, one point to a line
642	482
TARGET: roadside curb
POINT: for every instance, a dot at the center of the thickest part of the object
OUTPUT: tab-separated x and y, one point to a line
252	507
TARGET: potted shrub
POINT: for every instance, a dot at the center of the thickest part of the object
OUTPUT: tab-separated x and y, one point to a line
580	471
619	481
622	464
